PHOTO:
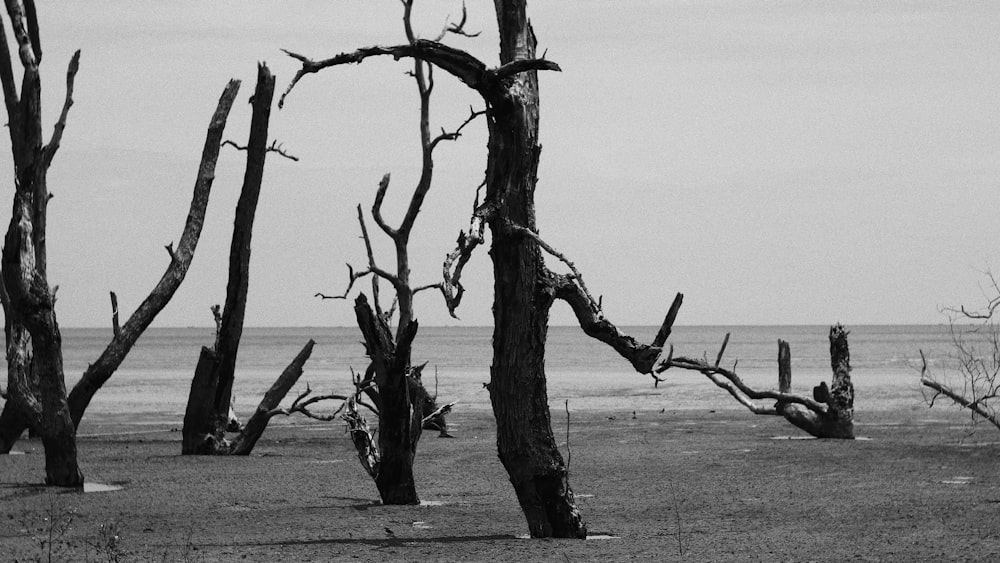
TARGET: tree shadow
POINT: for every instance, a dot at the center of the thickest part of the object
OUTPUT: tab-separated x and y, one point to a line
388	542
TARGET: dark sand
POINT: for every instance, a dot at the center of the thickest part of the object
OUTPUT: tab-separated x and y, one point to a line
682	485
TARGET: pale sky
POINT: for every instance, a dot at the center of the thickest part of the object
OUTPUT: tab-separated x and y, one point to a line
778	162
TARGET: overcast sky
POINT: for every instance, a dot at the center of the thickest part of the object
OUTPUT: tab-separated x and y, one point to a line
777	162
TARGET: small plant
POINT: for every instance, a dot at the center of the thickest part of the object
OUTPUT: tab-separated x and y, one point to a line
48	538
107	544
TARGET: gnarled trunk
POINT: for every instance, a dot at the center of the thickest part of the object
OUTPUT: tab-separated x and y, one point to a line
399	425
525	442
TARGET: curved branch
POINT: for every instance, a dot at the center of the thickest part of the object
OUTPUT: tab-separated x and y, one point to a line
732	383
383	186
577	277
460	64
642	356
451	136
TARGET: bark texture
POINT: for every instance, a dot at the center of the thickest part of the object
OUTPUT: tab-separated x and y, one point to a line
399	419
206	418
524	288
838	420
522	296
36	384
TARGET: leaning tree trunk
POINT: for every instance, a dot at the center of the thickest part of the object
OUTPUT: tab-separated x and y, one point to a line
526	445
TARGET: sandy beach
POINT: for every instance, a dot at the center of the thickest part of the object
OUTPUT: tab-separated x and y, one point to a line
685	485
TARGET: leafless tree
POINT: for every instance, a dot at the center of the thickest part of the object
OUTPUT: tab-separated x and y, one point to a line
391	382
524	287
36	392
975	386
206	418
829	413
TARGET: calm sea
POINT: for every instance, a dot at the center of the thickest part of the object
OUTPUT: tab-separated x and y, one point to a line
155	378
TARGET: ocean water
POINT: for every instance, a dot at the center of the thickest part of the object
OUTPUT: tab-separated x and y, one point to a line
154	380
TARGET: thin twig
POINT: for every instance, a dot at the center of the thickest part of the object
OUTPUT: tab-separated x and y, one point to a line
276	147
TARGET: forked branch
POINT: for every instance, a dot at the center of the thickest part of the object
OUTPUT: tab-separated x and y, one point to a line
460	64
275	147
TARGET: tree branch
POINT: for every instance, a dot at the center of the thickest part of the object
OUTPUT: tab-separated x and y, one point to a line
468	69
668	321
457	28
7	81
731	382
50	149
642	357
577	277
446	136
973	405
21	24
275	147
454	263
383	185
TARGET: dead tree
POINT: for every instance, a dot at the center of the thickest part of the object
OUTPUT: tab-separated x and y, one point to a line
976	353
525	441
36	396
524	288
392	383
206	418
36	383
829	413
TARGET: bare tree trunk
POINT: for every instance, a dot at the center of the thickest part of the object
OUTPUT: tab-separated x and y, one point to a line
201	433
525	441
234	312
206	417
399	420
523	291
36	383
